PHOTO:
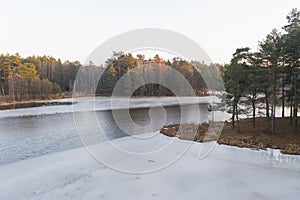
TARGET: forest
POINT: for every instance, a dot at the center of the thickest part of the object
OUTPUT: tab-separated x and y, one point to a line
263	80
140	71
34	77
42	77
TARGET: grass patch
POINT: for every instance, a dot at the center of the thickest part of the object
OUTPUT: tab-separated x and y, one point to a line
286	138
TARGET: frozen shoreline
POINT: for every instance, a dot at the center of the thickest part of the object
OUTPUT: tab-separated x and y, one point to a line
227	173
101	104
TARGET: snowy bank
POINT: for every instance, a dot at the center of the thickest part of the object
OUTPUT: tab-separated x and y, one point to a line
227	173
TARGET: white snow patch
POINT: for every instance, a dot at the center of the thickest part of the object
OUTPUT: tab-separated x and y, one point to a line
227	173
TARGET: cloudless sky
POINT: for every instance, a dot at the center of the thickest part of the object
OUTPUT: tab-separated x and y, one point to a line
71	29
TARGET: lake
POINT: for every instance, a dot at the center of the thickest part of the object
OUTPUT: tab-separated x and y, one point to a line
31	132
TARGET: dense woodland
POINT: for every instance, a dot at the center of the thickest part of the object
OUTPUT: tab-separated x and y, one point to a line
41	77
270	77
140	72
34	77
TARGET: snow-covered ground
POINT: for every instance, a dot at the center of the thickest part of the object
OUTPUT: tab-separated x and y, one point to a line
226	173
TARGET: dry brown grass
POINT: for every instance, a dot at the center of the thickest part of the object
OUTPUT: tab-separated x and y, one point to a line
260	137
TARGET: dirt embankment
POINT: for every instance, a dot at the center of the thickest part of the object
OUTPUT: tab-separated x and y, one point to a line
286	138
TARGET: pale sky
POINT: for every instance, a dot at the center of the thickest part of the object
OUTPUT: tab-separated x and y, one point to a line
71	30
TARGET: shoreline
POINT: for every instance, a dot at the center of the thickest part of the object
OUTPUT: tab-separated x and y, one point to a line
34	103
49	98
287	141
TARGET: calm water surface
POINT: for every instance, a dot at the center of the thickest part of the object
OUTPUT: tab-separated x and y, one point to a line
24	137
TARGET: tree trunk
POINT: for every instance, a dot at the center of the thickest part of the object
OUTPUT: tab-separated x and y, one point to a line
253	108
273	100
282	94
291	113
273	120
233	115
267	104
267	108
13	88
2	90
295	100
237	119
292	98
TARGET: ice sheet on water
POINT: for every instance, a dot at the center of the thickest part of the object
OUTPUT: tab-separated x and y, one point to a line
101	103
227	173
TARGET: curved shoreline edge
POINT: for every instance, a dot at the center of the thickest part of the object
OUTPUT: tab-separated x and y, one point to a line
287	141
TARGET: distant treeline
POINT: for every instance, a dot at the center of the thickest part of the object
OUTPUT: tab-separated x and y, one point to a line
34	77
40	77
142	76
